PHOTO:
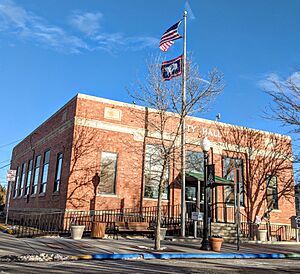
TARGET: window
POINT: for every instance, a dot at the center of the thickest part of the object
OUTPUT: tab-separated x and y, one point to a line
45	171
29	172
153	170
233	169
297	203
36	174
108	173
194	161
58	172
22	180
16	182
272	192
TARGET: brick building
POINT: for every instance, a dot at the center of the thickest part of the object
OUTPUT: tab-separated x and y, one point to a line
56	164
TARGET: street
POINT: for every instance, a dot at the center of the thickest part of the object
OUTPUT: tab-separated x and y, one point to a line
157	266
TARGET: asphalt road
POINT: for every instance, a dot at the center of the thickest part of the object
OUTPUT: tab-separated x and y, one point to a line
156	266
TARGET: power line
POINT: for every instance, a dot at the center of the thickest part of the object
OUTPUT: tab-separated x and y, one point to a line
8	160
5	166
5	145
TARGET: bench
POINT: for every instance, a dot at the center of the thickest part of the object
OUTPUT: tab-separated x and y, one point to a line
133	228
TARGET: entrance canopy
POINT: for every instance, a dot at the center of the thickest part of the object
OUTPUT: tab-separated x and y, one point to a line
200	177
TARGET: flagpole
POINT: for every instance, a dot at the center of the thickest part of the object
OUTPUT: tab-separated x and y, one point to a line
183	113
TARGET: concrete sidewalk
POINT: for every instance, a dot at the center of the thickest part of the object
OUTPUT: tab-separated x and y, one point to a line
10	245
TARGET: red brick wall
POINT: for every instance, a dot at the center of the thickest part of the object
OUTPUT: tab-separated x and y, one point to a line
113	135
54	134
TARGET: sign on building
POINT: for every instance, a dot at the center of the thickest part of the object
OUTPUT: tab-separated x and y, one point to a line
11	175
295	221
210	175
197	216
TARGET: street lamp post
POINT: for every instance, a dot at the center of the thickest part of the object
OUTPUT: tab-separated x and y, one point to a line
205	243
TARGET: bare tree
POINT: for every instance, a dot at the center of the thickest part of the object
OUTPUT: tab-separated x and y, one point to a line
260	158
285	95
3	192
163	102
83	166
285	106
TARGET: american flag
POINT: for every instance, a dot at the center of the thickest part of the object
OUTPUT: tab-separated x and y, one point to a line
169	36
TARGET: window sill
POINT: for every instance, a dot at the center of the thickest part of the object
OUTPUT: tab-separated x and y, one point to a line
32	195
231	206
42	194
25	196
56	193
107	195
276	211
155	199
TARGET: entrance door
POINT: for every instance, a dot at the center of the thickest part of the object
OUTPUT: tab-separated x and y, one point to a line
190	199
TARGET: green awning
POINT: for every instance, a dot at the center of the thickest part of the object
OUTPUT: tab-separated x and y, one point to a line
200	176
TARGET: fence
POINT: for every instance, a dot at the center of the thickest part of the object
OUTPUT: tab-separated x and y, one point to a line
37	224
275	232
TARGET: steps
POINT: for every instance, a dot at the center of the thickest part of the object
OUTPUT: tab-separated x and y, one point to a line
227	231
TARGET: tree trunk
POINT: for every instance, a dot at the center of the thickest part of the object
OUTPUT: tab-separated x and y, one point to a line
158	212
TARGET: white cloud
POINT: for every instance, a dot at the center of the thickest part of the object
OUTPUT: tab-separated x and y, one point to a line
269	79
295	78
88	22
11	14
24	24
141	42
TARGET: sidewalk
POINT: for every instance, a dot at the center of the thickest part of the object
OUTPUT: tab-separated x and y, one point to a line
10	245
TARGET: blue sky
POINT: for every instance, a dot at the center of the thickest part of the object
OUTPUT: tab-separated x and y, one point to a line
52	49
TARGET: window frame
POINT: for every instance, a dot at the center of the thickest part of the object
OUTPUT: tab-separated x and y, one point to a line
44	177
28	177
148	172
275	206
189	154
238	171
58	172
36	174
114	187
15	193
22	179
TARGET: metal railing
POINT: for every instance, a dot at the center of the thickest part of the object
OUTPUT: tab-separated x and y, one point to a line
275	232
46	223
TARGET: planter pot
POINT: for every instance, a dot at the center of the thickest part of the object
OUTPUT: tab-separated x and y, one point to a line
215	243
163	232
98	230
77	231
262	235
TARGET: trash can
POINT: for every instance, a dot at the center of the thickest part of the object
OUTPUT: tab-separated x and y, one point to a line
98	230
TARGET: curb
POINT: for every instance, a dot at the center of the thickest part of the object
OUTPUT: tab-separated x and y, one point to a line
168	256
273	243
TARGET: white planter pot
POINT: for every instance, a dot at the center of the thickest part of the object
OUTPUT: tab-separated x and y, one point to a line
77	231
163	232
262	235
